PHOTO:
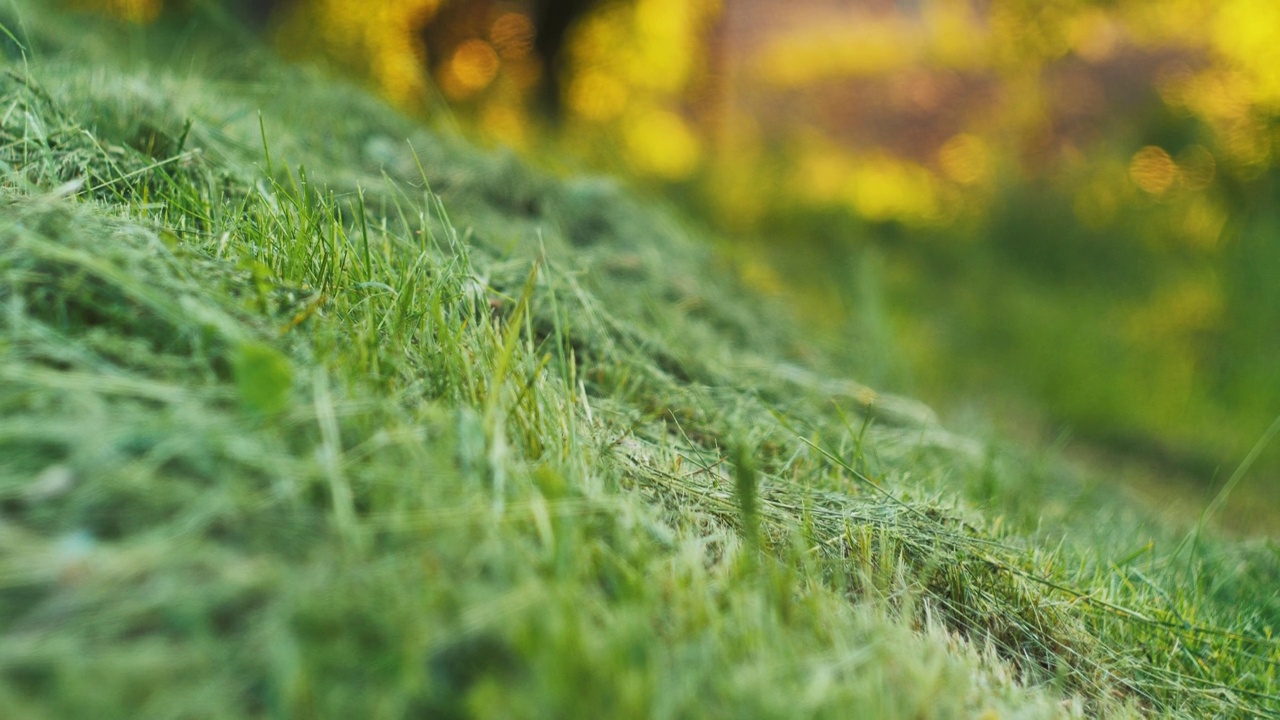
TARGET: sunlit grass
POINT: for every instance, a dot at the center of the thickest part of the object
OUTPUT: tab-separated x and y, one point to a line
310	411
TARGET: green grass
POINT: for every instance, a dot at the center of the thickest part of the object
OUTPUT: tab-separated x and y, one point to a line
312	411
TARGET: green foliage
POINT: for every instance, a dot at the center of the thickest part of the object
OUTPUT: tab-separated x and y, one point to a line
263	377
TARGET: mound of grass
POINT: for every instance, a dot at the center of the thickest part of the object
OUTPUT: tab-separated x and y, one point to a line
311	411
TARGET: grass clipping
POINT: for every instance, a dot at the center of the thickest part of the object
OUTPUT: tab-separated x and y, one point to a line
281	438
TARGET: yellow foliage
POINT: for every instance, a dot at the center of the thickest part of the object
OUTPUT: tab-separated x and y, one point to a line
377	38
662	144
1245	32
1168	22
667	44
861	47
956	38
1025	35
820	173
881	187
966	159
638	85
597	96
1215	94
506	123
631	69
1094	35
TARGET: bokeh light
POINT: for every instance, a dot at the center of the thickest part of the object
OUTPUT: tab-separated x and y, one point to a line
473	65
965	159
1153	170
1118	154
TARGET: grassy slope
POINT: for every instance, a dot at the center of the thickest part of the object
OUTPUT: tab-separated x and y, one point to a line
311	423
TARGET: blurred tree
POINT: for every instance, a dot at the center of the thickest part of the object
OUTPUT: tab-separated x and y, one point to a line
1106	160
553	21
468	44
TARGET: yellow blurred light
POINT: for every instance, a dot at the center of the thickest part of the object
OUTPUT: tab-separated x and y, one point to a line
1173	84
628	65
957	39
884	188
506	124
1168	22
965	159
667	42
473	65
1203	223
1024	35
1094	35
869	47
660	143
512	34
1246	31
1218	94
1152	170
378	41
1197	167
1248	144
398	71
135	11
600	35
821	174
597	96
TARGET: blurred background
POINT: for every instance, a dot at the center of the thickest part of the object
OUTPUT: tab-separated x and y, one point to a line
1064	213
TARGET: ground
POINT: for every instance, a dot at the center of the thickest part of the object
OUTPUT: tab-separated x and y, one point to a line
311	410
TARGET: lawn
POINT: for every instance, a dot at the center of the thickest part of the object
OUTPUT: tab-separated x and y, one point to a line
308	409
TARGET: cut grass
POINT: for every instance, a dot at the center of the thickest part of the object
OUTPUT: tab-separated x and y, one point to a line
309	411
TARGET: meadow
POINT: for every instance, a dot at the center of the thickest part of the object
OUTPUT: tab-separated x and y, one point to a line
312	410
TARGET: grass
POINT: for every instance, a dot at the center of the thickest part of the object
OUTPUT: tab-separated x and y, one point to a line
312	411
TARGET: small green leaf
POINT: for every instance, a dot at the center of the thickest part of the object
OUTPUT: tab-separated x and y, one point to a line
263	377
